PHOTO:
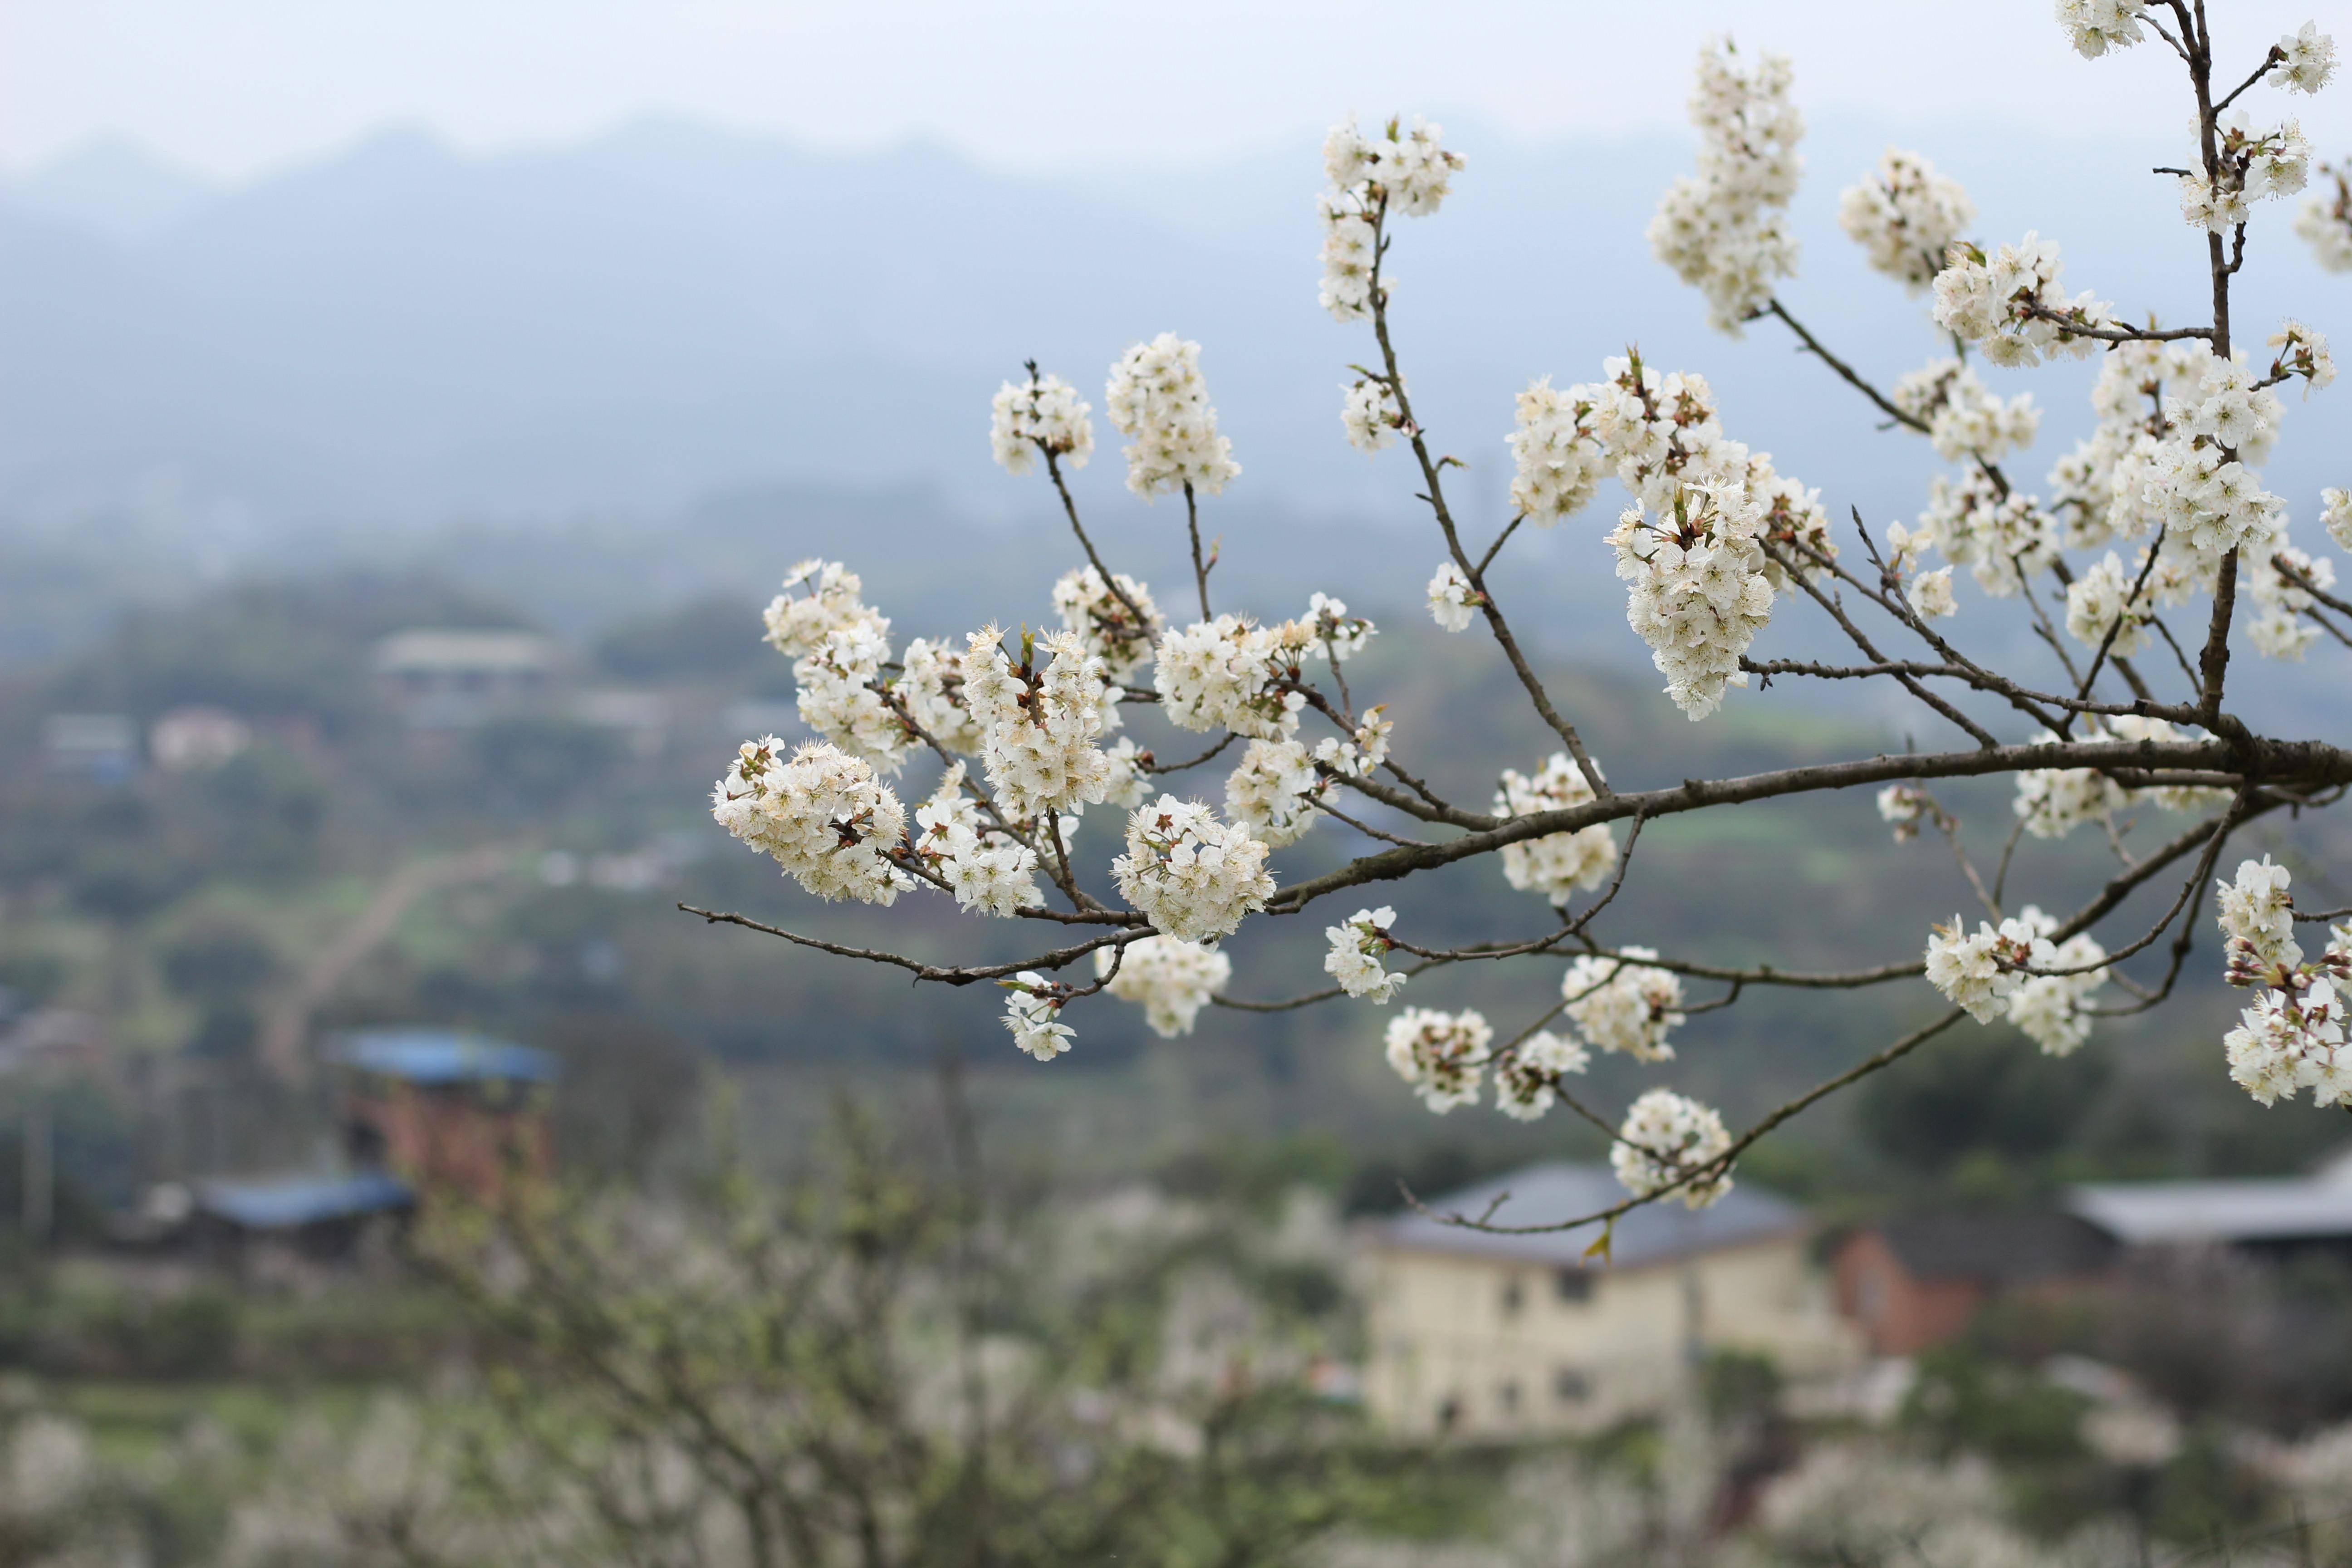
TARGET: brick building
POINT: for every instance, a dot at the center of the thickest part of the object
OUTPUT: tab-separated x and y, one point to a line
438	1108
1913	1280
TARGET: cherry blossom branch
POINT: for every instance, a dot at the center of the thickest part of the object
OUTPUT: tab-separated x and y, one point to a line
1070	510
945	975
1393	378
1200	566
2312	764
1851	377
1709	1170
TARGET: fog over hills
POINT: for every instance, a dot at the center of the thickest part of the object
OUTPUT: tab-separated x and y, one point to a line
400	332
401	348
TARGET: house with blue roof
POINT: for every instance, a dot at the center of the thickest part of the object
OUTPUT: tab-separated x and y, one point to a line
421	1110
1485	1334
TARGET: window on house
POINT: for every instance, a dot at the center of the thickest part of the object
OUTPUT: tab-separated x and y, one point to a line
1571	1386
1571	1285
1508	1396
1514	1297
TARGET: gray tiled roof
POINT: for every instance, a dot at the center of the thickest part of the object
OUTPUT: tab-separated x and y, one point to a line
1559	1190
2255	1209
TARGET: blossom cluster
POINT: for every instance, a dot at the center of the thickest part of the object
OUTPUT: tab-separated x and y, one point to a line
1555	864
2326	221
1032	1011
1904	216
2009	303
1170	979
1619	1004
1724	228
1116	620
2249	165
820	814
1442	1055
1358	945
1964	419
989	869
1664	1139
1399	170
1040	731
1191	874
1370	414
1527	1075
2019	972
1043	414
2291	1037
1158	400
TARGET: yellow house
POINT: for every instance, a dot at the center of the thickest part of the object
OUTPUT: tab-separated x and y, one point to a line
1489	1335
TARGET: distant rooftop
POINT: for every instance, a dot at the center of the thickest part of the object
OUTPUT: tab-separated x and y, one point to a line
2270	1208
290	1202
1559	1190
433	1057
2015	1247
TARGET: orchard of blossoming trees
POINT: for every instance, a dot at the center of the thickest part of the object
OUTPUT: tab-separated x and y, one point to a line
2153	542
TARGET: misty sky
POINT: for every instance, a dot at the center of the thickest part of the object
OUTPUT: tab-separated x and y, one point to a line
236	86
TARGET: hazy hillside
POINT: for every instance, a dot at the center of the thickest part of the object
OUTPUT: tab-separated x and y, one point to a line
402	332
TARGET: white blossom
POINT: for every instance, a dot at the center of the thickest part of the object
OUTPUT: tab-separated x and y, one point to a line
1901	806
2302	353
1555	864
2336	516
2053	802
1328	629
1363	752
1450	599
1041	413
1192	876
2306	58
2095	26
2102	601
1723	228
1621	1004
1560	459
1357	946
821	816
1930	595
2257	908
1977	973
1527	1075
2049	1007
1398	171
1964	420
841	693
1442	1055
2287	1042
1665	1137
1040	730
2009	304
1221	673
2002	540
931	683
1118	627
1157	399
988	870
2326	221
798	625
1698	589
1369	414
1274	791
1033	1009
1170	980
1904	216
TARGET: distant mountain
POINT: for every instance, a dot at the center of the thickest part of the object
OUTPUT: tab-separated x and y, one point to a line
110	187
402	332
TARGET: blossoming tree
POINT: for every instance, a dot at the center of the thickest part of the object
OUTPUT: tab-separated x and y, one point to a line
2154	544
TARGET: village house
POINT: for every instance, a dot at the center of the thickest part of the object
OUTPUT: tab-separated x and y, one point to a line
1490	1335
1913	1280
